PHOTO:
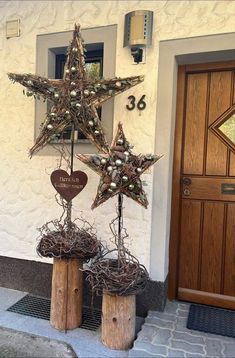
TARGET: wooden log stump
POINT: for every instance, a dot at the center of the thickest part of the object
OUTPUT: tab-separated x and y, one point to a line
118	321
66	296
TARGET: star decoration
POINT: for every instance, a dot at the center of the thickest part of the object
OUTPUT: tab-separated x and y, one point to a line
119	170
75	98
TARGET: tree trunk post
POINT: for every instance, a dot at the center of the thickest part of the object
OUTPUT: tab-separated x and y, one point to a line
118	321
66	296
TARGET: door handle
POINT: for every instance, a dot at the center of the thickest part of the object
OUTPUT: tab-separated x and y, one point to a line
187	181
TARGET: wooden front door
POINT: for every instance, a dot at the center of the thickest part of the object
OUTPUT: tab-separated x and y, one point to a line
204	185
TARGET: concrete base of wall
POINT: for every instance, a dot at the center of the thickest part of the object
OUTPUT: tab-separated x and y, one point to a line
35	278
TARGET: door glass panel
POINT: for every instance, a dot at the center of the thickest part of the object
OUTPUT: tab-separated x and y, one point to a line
228	128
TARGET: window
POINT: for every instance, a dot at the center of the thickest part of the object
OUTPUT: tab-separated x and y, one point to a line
228	129
100	61
94	69
224	128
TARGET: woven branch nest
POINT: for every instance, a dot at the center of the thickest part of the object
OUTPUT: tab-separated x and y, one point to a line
69	244
121	278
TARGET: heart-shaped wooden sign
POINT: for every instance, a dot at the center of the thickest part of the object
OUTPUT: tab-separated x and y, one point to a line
68	186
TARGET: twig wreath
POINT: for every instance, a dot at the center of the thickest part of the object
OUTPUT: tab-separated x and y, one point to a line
67	239
122	275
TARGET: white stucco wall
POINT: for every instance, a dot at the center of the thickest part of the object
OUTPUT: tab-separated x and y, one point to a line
26	196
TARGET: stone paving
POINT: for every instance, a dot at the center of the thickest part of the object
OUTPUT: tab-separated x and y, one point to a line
86	344
164	334
15	344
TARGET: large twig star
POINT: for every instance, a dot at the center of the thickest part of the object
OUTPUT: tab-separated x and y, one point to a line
120	170
75	98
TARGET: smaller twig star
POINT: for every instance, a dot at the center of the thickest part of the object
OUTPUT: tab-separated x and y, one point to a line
120	170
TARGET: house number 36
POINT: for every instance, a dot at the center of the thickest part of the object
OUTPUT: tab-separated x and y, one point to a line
141	104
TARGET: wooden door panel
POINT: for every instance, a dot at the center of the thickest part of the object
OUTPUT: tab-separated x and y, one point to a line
189	250
216	159
195	123
219	102
212	243
209	188
232	164
207	298
229	270
220	91
206	269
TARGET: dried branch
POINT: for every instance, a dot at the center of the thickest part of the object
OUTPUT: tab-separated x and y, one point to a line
63	239
121	274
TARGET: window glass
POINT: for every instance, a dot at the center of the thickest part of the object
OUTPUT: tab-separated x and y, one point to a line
94	70
228	128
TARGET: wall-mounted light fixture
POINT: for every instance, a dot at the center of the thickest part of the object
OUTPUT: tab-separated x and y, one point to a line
138	32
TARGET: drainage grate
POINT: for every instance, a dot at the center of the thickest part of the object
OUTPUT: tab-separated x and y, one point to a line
39	307
32	306
91	318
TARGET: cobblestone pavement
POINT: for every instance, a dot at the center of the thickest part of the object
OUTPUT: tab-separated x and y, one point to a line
164	334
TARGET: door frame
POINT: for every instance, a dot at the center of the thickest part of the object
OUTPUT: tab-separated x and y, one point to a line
177	165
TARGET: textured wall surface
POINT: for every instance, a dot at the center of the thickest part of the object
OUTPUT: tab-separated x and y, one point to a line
26	196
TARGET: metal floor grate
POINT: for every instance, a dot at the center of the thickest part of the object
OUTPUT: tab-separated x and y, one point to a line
39	307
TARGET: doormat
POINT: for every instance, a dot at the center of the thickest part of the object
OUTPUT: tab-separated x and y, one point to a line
39	307
211	320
